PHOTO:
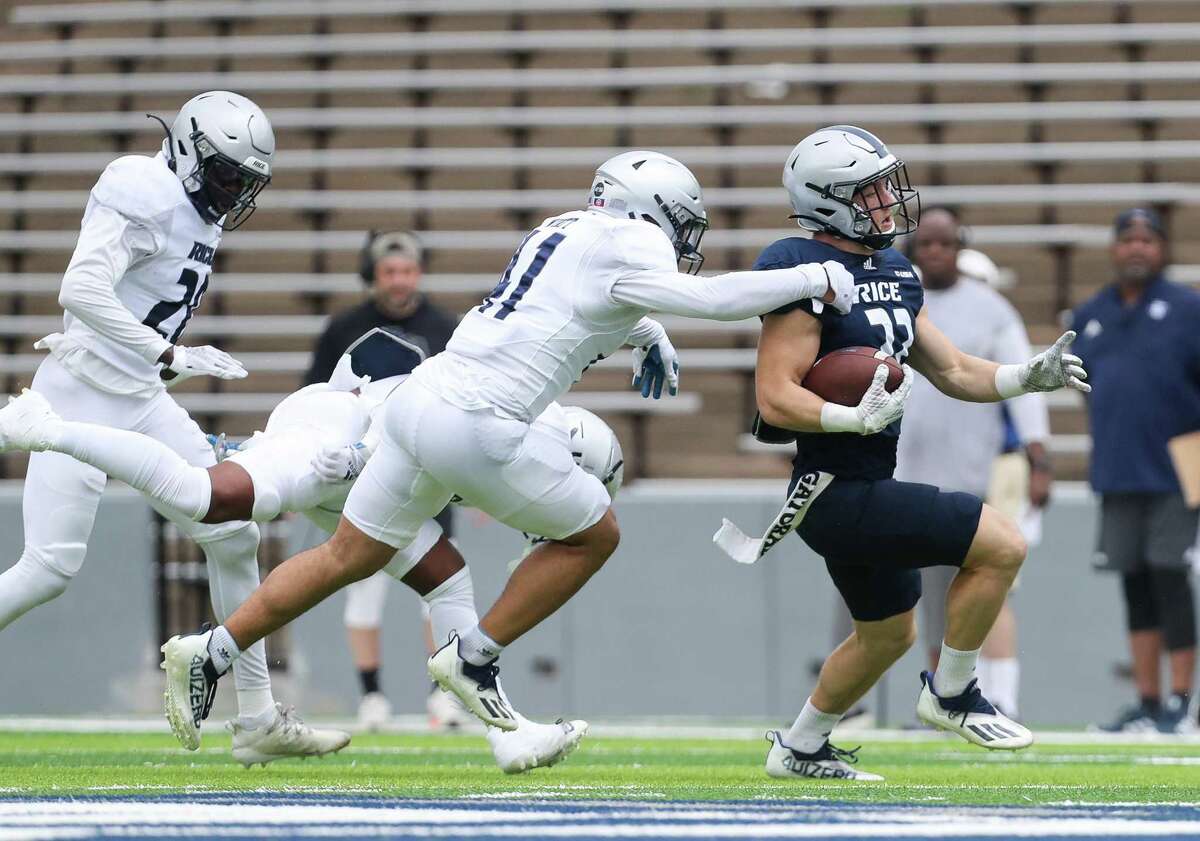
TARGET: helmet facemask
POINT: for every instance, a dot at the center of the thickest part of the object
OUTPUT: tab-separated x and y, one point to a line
226	187
888	190
688	231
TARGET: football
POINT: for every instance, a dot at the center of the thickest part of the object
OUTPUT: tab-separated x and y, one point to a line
843	376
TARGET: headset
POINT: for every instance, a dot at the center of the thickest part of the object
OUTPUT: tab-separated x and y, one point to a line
366	262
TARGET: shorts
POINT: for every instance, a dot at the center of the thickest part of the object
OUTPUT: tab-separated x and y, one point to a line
431	450
1150	529
876	534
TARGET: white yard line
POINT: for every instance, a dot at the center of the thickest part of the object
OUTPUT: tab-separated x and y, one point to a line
633	729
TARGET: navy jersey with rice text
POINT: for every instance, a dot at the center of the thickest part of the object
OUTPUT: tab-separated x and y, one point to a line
888	296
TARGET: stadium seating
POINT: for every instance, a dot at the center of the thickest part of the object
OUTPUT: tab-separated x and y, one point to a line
469	121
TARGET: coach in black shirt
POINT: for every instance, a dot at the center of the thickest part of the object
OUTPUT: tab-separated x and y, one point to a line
391	268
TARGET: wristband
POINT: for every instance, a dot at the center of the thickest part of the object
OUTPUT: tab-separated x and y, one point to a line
1008	381
838	418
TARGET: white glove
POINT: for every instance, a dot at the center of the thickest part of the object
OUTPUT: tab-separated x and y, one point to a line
841	282
188	362
655	364
875	412
1050	370
340	464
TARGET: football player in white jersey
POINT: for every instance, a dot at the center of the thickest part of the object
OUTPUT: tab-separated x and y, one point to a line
577	288
138	272
314	445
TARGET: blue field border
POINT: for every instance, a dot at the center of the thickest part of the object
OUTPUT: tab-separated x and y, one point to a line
288	817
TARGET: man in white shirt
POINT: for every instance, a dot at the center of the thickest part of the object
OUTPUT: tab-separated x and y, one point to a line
577	288
955	444
140	269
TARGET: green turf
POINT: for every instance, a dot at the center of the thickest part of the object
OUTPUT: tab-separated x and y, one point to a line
458	765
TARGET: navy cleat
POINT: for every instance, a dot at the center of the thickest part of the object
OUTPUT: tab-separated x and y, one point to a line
971	716
1134	719
826	763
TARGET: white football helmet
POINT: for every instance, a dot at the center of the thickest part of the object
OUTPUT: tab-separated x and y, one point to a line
658	189
828	173
220	146
596	448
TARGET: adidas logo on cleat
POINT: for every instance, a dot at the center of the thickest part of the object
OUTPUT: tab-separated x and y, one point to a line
991	732
496	708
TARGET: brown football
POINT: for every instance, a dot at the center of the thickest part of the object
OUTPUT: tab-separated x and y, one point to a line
843	376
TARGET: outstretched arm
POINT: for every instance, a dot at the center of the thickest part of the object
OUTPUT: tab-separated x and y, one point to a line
735	295
965	377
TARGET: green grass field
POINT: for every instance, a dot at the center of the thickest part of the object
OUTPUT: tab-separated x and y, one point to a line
448	766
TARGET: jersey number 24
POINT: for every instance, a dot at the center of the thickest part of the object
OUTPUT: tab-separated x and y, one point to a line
193	291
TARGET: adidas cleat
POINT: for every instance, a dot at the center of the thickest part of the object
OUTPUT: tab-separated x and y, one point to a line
474	685
971	716
285	736
191	685
25	423
533	745
826	763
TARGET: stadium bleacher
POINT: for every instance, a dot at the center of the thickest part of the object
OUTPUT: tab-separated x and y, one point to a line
469	121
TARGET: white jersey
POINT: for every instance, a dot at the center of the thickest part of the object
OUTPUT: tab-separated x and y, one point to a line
574	290
142	237
551	315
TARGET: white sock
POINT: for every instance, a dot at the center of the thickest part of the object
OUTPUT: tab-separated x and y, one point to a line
954	671
452	607
222	649
811	729
477	648
140	462
1003	682
231	553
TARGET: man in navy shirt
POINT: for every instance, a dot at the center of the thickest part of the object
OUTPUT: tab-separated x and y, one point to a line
1140	340
874	532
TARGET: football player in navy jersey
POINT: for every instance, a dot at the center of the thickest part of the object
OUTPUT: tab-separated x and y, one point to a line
853	196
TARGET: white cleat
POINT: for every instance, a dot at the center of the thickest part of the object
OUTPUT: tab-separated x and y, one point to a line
374	712
25	423
285	736
533	745
191	685
446	712
474	685
971	716
826	763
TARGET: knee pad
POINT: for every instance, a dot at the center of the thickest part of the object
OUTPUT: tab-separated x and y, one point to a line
365	600
27	584
1176	608
1141	605
227	541
266	504
62	559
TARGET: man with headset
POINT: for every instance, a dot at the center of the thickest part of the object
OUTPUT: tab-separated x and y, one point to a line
391	266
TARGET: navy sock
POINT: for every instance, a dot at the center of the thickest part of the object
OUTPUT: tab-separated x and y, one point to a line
369	679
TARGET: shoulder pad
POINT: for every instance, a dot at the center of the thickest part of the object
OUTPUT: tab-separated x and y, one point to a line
139	187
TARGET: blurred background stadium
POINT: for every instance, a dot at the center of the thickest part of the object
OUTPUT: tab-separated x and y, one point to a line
469	121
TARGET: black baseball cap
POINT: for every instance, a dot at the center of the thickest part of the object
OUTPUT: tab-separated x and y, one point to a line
1145	216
